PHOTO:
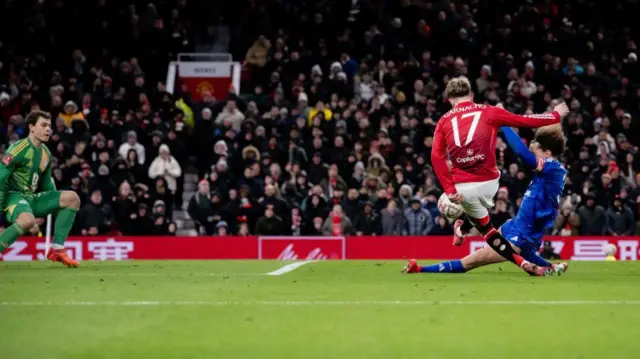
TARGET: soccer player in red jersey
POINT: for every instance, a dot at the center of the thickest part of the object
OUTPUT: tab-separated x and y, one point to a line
467	134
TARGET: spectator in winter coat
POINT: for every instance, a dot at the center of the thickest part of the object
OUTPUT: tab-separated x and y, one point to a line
337	224
391	220
405	197
279	205
258	53
230	116
269	224
567	222
132	144
167	167
619	219
332	181
418	221
125	208
592	217
351	204
366	222
201	210
95	216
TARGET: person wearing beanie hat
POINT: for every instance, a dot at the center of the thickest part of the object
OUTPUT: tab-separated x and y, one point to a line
167	167
418	220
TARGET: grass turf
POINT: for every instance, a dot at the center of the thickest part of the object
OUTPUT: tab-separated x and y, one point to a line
351	309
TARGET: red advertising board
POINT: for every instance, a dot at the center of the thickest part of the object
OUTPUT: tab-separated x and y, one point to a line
290	248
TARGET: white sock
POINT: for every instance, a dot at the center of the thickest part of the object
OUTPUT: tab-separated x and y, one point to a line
57	246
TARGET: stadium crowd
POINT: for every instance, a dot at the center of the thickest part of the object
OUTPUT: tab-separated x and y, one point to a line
332	130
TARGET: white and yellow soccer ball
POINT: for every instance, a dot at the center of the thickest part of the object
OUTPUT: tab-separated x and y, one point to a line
451	211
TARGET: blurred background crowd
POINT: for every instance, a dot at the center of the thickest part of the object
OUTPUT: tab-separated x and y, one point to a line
331	131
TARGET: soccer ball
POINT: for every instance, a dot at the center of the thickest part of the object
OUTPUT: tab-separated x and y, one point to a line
451	211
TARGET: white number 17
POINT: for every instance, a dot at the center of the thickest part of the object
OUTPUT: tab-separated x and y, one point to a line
474	123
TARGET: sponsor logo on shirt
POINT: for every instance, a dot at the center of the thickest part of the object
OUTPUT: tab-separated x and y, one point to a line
470	158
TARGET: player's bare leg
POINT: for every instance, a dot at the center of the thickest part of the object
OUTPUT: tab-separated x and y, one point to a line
477	259
69	205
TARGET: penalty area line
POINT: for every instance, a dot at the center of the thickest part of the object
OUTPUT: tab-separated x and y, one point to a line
314	303
288	268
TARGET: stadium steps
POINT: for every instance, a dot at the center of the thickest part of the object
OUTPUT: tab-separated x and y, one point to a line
186	226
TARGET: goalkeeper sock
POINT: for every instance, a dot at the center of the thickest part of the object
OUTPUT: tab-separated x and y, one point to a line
10	235
444	267
64	223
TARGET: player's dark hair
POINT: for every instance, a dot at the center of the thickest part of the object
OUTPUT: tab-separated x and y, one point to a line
34	116
551	139
458	87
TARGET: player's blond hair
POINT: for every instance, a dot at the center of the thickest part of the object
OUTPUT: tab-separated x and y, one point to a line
458	87
551	138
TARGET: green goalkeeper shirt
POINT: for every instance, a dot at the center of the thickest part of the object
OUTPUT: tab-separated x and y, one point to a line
25	169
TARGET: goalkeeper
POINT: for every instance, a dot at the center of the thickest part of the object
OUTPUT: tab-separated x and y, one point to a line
27	190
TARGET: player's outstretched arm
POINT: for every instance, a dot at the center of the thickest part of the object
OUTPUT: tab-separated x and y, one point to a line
501	117
515	142
6	169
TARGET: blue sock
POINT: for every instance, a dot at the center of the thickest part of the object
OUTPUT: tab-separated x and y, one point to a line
444	267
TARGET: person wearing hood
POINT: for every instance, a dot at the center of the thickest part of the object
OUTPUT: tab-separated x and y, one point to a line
405	194
314	206
133	144
351	204
143	223
167	167
391	220
366	222
71	114
320	107
592	217
104	183
418	221
120	172
619	219
95	217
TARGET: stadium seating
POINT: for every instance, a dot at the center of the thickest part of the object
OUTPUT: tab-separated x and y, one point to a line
337	106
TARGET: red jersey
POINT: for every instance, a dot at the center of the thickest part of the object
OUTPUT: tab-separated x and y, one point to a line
468	134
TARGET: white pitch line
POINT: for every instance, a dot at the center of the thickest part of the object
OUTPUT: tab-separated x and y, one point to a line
85	274
318	303
288	268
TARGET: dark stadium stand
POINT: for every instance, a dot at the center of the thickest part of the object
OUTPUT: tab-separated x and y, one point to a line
337	105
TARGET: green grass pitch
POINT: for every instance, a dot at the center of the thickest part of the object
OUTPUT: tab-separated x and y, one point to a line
333	309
